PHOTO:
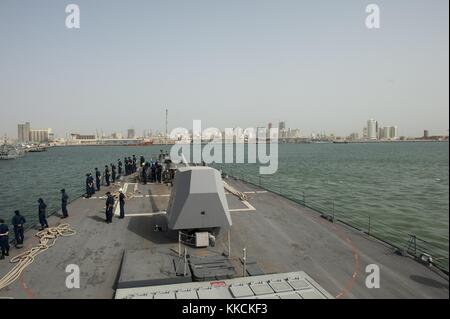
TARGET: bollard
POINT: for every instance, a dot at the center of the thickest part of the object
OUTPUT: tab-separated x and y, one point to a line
179	244
185	262
244	259
333	210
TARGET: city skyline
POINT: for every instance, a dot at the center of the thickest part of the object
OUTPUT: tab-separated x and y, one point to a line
372	131
228	64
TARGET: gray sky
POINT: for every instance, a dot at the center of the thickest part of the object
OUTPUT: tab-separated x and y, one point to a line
229	63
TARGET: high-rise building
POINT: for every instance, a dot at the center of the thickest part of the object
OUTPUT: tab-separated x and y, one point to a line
426	134
282	125
393	132
40	135
294	133
131	133
23	132
388	133
372	129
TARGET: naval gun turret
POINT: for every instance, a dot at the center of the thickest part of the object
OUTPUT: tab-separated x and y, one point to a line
198	205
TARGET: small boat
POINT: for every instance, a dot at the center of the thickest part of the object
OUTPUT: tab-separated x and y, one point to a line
8	151
37	149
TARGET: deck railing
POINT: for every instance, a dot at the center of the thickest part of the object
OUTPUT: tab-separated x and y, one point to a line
401	241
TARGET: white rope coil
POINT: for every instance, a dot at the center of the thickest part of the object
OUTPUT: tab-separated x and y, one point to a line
234	191
47	239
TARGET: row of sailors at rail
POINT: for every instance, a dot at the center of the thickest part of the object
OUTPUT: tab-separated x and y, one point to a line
150	172
110	174
153	172
18	222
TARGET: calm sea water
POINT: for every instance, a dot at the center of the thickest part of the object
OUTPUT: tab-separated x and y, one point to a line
403	187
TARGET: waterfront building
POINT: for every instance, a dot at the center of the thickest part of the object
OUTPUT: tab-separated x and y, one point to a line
40	135
393	132
23	132
294	133
372	129
131	133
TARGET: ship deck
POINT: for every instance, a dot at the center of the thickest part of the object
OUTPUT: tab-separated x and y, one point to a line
279	234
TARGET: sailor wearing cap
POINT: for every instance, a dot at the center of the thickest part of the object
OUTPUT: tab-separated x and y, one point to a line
122	203
107	174
119	167
88	188
109	207
98	175
113	170
42	215
17	222
4	240
134	165
64	200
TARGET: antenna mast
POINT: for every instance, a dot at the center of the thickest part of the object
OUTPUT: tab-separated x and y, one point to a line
167	111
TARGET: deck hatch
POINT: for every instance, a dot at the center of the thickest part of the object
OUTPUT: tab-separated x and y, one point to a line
240	291
299	284
310	294
187	294
280	286
164	295
261	289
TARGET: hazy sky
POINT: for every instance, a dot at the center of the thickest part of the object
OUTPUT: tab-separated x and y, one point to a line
229	63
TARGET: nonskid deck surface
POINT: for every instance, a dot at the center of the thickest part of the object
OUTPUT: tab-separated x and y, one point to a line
280	235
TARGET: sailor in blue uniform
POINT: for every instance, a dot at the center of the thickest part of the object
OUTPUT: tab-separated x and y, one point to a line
144	173
125	163
18	221
42	216
98	175
119	167
109	207
122	203
88	187
4	239
107	175
159	170
134	164
130	163
113	175
91	184
64	200
153	179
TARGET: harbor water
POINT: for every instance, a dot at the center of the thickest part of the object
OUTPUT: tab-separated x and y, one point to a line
394	189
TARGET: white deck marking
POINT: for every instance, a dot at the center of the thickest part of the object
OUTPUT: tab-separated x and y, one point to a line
146	214
247	204
117	206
